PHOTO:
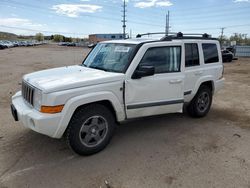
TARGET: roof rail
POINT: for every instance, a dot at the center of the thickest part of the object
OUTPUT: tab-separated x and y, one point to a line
156	33
179	35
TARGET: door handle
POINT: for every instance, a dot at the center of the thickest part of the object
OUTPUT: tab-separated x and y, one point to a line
176	81
198	73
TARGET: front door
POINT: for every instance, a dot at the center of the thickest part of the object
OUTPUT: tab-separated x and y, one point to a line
160	93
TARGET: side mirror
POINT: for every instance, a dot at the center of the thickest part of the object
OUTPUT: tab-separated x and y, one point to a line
91	45
143	71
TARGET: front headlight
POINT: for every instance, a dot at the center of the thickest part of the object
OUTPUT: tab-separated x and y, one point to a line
37	99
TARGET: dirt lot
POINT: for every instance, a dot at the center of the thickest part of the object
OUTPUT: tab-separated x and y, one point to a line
166	151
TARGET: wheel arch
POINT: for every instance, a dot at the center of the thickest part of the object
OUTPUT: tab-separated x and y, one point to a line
105	103
107	99
208	81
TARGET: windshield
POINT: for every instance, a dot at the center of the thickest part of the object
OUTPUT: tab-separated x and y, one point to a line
110	57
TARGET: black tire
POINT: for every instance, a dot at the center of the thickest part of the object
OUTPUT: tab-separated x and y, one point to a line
198	107
80	136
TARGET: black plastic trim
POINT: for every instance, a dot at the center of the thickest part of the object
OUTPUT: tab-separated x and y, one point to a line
187	92
162	103
124	99
14	112
137	48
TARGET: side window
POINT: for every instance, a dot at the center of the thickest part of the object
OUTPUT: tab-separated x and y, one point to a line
191	55
210	53
164	59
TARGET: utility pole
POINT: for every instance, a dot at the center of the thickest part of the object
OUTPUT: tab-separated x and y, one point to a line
124	19
167	24
222	32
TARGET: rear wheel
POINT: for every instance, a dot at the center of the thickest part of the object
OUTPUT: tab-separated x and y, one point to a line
201	103
90	129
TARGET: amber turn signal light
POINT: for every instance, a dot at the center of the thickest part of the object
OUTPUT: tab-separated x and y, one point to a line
52	109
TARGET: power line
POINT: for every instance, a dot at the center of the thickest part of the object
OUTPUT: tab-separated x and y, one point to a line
113	19
145	24
43	31
92	16
160	15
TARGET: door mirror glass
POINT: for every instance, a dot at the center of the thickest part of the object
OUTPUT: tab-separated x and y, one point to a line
143	71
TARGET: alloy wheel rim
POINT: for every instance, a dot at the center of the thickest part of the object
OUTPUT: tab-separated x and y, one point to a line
203	101
93	131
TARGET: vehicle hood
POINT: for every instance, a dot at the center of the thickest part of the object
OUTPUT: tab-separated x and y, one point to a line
69	77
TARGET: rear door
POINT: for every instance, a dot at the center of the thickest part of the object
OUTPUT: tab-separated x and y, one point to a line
160	93
193	69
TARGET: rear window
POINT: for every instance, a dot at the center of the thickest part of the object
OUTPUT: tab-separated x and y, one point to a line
210	53
191	55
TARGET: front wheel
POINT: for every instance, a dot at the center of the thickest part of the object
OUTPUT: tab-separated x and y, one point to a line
201	103
90	129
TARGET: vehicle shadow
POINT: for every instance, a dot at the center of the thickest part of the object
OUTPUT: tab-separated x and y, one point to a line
141	139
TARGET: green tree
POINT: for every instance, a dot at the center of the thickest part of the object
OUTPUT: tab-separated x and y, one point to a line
223	40
240	39
67	39
39	37
58	38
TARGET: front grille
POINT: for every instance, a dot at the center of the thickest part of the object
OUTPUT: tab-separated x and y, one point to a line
28	93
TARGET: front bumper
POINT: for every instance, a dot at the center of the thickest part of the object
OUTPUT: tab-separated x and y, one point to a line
46	124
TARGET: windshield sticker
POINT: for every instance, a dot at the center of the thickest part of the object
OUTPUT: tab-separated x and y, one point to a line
122	49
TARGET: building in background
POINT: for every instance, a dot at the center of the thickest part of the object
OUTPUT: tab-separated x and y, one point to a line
95	38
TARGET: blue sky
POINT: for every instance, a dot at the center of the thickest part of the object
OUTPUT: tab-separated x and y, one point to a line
78	18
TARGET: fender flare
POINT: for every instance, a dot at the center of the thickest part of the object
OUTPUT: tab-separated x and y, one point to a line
199	83
75	102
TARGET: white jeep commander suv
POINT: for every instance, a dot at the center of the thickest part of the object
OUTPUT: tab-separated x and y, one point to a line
117	81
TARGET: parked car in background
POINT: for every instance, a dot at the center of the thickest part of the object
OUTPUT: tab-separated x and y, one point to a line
67	44
227	56
22	43
63	43
8	43
71	44
2	45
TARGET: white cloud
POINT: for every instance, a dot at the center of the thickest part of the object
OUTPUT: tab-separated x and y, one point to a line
153	3
238	1
164	3
74	10
13	22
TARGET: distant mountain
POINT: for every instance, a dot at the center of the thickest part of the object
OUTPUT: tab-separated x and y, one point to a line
7	36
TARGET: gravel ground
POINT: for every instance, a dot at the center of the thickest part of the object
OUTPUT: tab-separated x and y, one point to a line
164	151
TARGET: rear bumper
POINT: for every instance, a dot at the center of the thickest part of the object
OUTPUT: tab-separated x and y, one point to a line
46	124
219	84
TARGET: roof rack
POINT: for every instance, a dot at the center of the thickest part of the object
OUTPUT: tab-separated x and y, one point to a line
156	33
180	35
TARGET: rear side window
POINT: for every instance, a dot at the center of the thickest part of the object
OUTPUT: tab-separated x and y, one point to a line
191	55
164	59
210	52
